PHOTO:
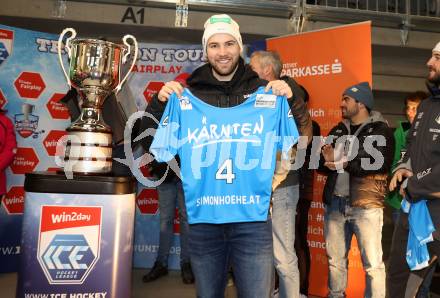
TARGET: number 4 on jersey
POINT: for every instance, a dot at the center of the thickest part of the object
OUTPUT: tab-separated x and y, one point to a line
225	172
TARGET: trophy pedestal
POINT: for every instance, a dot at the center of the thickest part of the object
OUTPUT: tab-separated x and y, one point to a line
77	236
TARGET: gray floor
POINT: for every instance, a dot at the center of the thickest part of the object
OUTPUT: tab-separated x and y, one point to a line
166	287
169	286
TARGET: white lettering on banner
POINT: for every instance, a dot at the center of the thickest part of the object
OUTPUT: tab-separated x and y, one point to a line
316	244
88	295
14	200
321	178
47	45
218	133
147	201
52	143
319	205
10	250
146	248
295	71
148	54
317	112
182	55
315	230
20	161
65	295
228	200
149	248
171	55
320	258
28	85
57	218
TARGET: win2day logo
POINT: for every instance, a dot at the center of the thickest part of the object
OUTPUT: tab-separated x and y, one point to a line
69	242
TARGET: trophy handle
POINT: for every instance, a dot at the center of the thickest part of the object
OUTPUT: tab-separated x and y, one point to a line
68	50
124	58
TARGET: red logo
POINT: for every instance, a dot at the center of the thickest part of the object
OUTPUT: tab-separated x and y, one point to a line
25	161
147	201
3	100
51	140
65	217
29	85
57	110
13	202
151	89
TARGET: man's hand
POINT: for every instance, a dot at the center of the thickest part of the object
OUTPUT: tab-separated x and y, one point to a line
279	87
168	89
332	154
328	152
398	177
337	165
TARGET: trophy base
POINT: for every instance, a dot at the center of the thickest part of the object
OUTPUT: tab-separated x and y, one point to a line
90	120
89	167
88	152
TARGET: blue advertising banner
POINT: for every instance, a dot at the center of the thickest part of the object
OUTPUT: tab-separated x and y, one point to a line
31	86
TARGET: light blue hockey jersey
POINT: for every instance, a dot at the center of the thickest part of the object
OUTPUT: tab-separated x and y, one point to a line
227	154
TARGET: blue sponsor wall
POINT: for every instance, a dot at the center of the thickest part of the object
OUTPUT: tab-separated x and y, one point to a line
30	78
32	84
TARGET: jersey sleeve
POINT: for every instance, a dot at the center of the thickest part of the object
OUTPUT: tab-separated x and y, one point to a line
287	129
166	140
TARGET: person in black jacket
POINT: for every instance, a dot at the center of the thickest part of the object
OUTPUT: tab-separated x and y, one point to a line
419	170
285	184
358	155
225	81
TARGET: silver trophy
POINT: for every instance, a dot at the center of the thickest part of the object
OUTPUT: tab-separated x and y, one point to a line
95	72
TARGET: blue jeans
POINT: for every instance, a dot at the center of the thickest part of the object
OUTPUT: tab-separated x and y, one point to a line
247	247
170	195
285	200
341	222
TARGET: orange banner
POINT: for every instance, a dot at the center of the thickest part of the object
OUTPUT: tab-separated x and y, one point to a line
326	62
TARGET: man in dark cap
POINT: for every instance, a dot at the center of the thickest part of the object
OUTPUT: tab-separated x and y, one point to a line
357	156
